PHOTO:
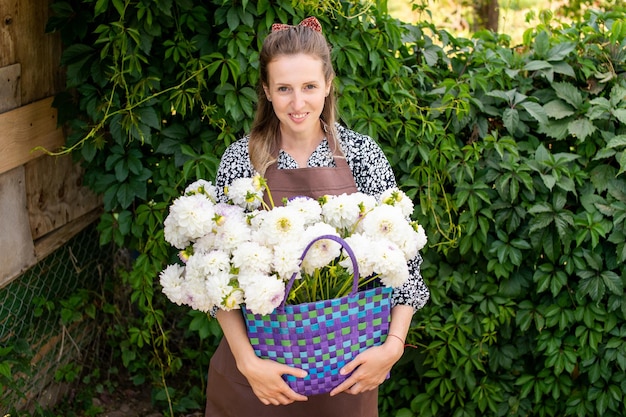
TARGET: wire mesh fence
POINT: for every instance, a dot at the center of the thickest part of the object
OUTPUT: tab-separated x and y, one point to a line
46	334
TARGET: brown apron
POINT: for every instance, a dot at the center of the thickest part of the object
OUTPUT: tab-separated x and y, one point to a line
228	391
311	182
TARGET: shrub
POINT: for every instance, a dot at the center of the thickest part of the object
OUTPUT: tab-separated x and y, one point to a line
515	156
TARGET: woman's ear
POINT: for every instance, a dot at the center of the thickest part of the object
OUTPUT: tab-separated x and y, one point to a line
267	92
329	85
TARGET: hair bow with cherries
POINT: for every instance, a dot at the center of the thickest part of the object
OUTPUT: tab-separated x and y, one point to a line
310	22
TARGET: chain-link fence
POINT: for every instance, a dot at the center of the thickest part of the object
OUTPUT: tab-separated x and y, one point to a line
47	328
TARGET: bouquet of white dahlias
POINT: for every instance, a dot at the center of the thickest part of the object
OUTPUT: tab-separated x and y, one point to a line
244	252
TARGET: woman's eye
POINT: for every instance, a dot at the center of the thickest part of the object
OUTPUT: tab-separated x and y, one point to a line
310	87
282	89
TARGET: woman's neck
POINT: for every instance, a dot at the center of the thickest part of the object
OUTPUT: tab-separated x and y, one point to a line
301	147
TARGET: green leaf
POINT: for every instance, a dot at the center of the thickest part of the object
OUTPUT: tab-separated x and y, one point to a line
510	118
542	44
232	105
165	6
134	164
558	109
559	51
593	286
175	131
504	95
232	18
622	162
543	276
404	412
128	356
76	53
112	159
620	114
601	176
581	129
262	6
125	195
88	151
569	93
119	6
125	221
101	7
536	110
617	94
537	65
599	109
541	222
613	282
602	403
618	32
148	116
215	63
121	170
617	142
605	153
564	68
431	56
5	370
555	129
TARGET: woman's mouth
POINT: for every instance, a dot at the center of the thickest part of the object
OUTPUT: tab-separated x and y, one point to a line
298	116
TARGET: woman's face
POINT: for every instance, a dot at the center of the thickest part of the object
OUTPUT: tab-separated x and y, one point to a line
297	90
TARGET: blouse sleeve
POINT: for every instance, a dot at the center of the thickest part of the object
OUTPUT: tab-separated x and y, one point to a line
235	163
414	292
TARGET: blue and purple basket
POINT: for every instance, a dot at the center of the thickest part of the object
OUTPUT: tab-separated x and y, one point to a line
321	337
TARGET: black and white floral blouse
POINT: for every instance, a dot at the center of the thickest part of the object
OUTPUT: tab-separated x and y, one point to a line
372	174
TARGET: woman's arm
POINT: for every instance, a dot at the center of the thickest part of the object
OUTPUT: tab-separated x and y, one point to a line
263	375
371	367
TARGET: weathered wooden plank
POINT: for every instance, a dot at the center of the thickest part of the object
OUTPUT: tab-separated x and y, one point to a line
10	91
17	251
55	194
52	241
8	39
23	40
23	129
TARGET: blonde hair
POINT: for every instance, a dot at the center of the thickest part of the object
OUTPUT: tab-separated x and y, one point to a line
265	132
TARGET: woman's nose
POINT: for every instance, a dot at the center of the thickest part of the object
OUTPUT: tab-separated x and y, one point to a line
298	100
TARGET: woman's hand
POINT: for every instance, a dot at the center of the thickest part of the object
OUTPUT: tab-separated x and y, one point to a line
263	375
265	378
370	368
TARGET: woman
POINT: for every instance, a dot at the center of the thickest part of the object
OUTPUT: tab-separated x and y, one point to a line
296	144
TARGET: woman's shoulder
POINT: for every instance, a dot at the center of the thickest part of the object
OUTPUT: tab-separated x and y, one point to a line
367	160
355	144
239	148
235	162
347	135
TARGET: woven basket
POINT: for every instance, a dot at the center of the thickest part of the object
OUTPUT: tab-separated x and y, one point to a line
321	337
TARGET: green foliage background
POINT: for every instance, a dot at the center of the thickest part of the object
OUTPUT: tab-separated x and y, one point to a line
514	155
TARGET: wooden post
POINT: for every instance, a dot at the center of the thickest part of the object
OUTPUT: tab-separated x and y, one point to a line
17	251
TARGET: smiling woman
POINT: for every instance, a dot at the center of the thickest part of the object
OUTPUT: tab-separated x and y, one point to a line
300	149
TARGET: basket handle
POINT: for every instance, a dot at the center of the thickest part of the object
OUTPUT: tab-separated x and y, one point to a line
348	249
